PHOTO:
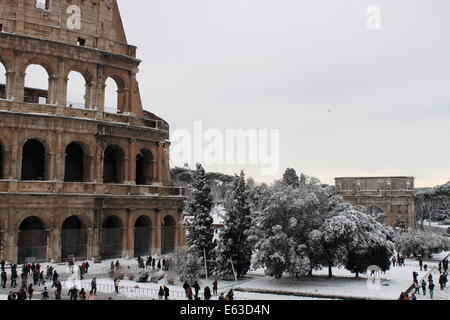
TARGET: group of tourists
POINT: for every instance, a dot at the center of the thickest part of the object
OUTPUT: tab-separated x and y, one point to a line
398	261
428	284
207	294
152	263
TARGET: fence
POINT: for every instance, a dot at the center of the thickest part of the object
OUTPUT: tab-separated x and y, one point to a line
127	290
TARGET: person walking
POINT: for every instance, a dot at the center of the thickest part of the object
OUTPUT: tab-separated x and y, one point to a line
45	295
161	293
230	295
441	281
424	287
94	286
421	263
82	294
14	278
73	293
215	287
30	292
186	287
190	295
58	290
55	278
4	279
116	285
197	289
166	293
207	293
431	289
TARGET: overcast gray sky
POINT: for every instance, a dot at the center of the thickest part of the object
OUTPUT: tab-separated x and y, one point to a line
282	64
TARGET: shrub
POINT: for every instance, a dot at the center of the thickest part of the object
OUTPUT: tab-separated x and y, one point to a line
419	243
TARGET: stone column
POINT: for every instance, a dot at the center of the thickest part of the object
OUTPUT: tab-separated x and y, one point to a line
18	89
9	89
157	233
132	161
60	158
16	165
90	243
130	236
125	243
55	245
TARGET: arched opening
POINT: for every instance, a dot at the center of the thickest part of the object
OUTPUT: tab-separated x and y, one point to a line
168	234
113	165
32	240
74	164
2	81
112	96
36	84
2	176
111	238
377	213
144	167
76	90
73	239
142	236
33	161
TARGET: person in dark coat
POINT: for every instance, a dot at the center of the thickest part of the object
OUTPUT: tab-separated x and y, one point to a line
207	293
55	278
196	287
30	291
73	293
424	287
58	290
161	293
4	279
186	287
431	288
166	293
230	295
14	278
45	295
215	287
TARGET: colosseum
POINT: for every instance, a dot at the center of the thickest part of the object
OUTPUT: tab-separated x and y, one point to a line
79	179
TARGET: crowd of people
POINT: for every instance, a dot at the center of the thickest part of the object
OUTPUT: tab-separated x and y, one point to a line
195	295
428	284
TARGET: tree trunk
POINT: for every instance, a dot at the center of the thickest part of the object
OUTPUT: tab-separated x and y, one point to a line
330	272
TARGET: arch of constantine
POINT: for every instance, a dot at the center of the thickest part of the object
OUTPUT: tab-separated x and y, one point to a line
394	196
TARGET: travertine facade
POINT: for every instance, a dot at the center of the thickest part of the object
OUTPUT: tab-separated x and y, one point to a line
393	195
79	181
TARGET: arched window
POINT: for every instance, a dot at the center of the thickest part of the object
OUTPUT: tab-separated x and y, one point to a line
111	238
74	164
2	81
168	235
144	167
111	96
73	239
113	165
142	236
32	240
33	161
36	84
76	90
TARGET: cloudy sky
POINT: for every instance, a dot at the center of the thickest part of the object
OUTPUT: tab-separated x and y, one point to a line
283	64
348	100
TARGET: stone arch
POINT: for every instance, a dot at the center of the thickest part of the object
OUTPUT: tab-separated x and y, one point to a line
120	97
113	164
39	93
378	212
168	234
35	160
78	78
111	237
3	80
143	235
145	167
32	242
73	238
77	162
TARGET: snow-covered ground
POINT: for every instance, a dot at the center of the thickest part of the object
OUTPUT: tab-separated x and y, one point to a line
259	287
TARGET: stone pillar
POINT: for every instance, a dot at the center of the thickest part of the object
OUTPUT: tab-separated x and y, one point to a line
53	90
125	243
18	87
12	246
16	166
88	97
98	165
132	161
130	236
157	233
60	158
9	89
3	245
90	243
54	246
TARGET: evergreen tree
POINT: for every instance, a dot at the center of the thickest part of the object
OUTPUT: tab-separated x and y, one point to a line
234	244
198	223
290	178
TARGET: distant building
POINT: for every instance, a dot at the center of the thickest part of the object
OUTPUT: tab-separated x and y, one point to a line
391	196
